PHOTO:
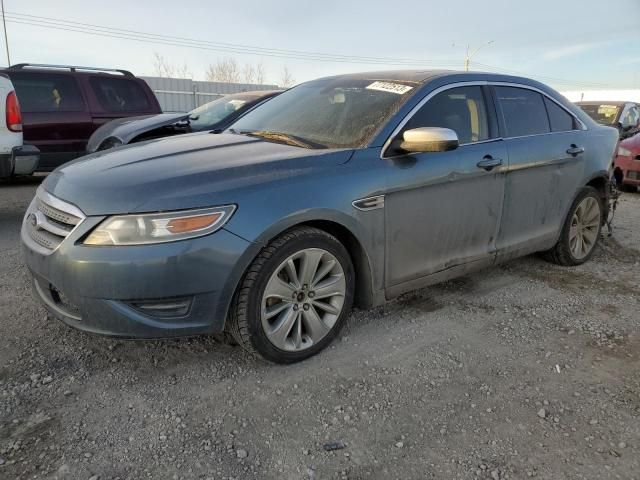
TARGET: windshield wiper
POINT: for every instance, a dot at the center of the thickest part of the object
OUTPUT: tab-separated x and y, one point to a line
282	137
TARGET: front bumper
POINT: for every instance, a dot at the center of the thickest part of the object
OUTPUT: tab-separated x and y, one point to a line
630	167
96	289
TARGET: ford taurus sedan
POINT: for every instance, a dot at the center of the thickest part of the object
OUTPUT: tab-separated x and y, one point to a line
345	190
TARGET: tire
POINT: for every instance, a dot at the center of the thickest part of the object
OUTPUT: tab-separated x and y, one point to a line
564	252
249	321
225	338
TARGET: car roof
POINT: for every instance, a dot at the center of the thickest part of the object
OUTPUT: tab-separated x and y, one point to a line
66	70
604	102
416	76
424	76
253	93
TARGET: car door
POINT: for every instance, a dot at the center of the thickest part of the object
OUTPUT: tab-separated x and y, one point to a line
545	166
443	209
55	115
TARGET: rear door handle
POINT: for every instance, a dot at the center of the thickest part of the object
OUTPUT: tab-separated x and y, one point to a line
575	150
489	163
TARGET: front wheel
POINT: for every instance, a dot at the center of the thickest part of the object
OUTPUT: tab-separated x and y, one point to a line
295	296
580	231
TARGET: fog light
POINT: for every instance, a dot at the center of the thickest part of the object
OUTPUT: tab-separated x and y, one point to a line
164	308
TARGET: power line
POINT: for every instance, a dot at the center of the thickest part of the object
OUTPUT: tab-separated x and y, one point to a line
158	39
49	22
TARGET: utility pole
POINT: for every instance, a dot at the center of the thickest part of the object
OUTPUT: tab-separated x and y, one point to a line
467	59
6	39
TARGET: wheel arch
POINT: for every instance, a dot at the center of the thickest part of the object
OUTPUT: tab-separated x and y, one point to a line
600	181
341	226
363	294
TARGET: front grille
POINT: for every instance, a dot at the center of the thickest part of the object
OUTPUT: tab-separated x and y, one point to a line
50	220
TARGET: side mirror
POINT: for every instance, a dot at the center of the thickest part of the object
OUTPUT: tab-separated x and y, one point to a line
428	139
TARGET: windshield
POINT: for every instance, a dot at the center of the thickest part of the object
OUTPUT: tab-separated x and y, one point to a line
328	113
207	115
603	113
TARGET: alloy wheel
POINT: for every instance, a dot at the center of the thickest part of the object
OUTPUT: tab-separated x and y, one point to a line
585	225
303	299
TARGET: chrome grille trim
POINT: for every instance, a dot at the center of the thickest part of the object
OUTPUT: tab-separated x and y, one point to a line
58	215
49	221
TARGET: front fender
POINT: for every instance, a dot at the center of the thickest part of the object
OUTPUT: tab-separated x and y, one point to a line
365	228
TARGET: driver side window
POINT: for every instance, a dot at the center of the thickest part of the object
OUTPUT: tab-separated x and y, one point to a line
461	109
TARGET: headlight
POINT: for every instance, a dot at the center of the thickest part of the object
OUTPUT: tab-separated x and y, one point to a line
624	152
159	227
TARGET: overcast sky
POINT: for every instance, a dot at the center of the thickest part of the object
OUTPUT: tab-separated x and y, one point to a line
571	44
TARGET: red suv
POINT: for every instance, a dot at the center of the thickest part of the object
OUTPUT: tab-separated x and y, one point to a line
63	105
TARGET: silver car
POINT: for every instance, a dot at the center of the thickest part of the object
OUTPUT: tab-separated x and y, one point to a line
348	189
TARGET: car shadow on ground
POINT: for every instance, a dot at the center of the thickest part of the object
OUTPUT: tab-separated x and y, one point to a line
27	180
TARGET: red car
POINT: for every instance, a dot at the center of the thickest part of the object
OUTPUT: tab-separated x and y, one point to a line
626	169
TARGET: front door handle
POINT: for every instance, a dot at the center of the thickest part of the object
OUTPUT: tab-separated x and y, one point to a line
489	163
575	150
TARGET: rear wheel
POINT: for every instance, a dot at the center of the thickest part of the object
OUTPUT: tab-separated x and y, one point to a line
581	230
295	296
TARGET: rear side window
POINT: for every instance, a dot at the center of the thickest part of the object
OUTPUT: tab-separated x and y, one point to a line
119	94
461	109
560	120
47	93
523	110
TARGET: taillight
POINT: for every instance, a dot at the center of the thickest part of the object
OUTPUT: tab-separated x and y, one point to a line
14	117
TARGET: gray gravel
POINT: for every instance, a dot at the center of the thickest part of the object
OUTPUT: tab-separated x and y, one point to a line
523	370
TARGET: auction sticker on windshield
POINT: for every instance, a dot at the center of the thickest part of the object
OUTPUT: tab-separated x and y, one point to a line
390	87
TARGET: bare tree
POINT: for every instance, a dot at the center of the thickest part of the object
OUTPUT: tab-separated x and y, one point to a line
254	73
249	73
286	80
163	68
261	73
226	70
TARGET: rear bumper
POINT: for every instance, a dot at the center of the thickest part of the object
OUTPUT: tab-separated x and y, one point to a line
21	161
100	289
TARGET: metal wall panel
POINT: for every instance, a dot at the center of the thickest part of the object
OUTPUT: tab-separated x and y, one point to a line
182	95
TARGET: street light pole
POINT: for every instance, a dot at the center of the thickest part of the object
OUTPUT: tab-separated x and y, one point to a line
6	39
467	59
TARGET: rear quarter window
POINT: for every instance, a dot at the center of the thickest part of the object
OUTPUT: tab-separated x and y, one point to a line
523	110
560	119
119	94
47	93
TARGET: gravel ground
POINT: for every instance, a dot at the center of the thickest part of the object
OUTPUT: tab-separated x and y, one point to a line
523	370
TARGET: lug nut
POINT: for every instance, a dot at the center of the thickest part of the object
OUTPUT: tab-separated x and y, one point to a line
312	294
295	307
306	307
295	294
304	287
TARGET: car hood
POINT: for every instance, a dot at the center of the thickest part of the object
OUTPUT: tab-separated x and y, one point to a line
631	143
126	129
185	171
